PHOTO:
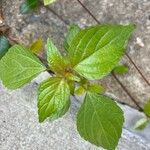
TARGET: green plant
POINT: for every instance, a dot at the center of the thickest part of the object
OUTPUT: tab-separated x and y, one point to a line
47	2
120	69
91	54
4	45
143	122
30	5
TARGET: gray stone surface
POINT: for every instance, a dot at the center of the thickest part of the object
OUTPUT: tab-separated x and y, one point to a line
131	117
20	130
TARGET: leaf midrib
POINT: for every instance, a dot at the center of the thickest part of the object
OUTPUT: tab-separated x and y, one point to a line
100	122
54	95
108	44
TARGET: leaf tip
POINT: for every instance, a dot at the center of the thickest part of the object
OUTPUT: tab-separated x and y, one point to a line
132	27
41	119
49	41
47	2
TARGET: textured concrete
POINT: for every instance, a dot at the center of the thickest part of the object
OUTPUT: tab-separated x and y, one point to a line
20	130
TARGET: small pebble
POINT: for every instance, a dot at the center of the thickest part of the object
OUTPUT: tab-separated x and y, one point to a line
43	10
139	42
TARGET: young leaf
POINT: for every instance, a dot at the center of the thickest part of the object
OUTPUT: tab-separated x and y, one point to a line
147	108
55	59
121	69
72	32
72	77
141	124
53	98
19	66
28	6
96	50
37	46
4	46
80	90
83	81
96	88
100	121
71	86
47	2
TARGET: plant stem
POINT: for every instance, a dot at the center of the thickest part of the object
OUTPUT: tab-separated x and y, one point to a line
44	61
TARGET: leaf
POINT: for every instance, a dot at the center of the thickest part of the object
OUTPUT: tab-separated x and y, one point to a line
19	66
86	87
83	81
141	124
80	90
37	46
72	77
121	69
72	32
47	2
100	121
96	88
28	6
53	98
55	59
71	86
4	46
96	50
147	108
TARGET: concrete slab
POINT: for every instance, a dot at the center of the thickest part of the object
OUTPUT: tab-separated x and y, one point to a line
20	130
